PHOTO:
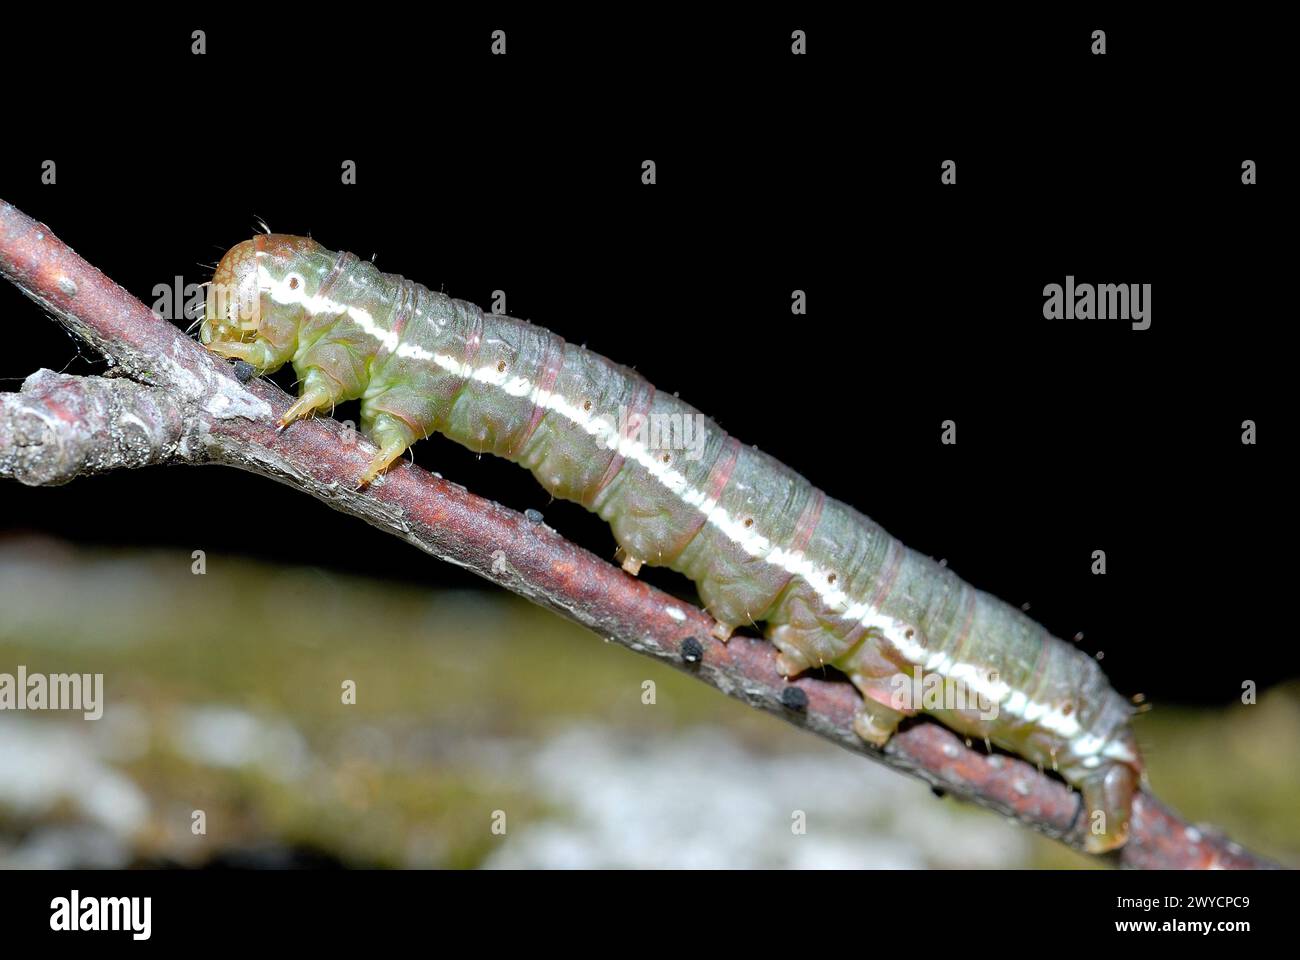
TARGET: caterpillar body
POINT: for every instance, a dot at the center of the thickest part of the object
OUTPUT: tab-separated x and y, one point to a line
760	542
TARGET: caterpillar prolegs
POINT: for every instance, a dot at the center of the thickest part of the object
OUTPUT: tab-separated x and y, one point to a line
760	542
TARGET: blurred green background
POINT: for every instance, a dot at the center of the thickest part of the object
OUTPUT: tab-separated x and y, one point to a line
223	694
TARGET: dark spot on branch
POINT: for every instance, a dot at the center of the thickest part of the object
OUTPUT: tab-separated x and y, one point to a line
793	698
692	652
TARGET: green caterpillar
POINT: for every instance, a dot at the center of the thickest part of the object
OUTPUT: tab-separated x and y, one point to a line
759	541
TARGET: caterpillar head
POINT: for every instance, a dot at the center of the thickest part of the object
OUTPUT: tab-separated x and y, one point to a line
257	298
234	309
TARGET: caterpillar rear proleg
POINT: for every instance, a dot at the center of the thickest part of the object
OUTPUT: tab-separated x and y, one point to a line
1108	799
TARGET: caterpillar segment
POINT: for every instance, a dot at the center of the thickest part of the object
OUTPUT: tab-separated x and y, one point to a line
763	546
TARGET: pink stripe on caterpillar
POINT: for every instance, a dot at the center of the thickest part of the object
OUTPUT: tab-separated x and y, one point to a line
720	474
1030	687
805	527
715	483
474	340
552	363
643	394
888	573
405	308
969	618
341	262
884	585
808	520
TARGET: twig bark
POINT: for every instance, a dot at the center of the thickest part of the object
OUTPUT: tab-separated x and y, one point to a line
176	403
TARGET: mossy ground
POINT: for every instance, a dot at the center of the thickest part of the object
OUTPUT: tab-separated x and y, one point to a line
449	685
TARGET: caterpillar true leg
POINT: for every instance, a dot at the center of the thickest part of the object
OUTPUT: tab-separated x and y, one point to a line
788	667
630	563
391	434
258	353
316	393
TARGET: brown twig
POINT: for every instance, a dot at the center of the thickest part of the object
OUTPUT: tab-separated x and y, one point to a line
177	403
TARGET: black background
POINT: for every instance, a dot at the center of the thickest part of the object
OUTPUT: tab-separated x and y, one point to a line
775	173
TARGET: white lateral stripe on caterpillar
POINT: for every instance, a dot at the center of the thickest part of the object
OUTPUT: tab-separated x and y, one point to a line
1013	702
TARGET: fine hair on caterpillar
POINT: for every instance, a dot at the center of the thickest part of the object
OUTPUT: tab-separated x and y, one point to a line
760	542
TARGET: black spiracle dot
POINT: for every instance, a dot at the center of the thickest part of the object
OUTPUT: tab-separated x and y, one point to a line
244	371
692	652
793	698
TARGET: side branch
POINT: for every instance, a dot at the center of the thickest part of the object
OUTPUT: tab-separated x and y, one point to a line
59	427
179	404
